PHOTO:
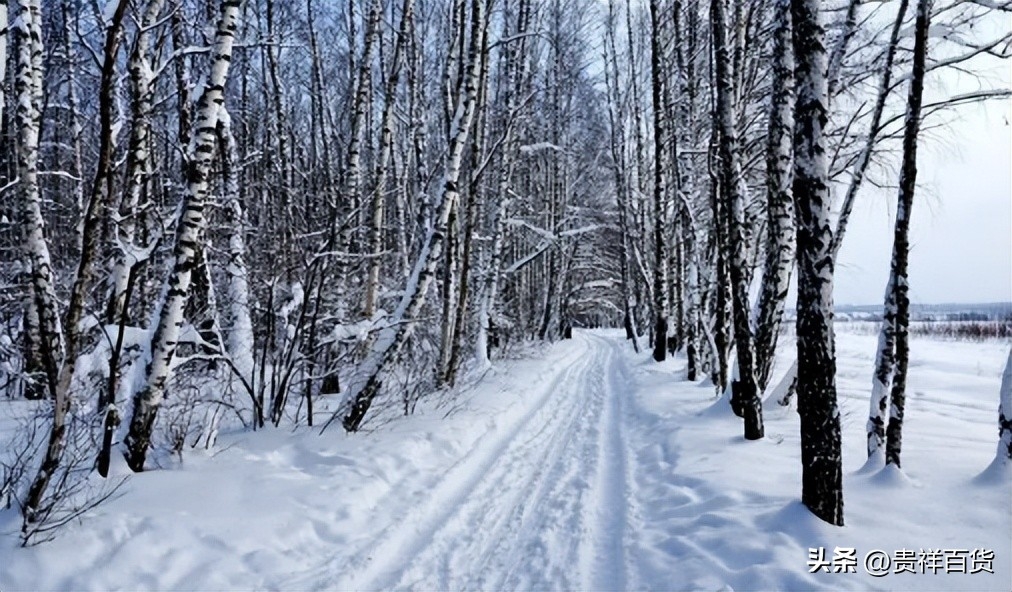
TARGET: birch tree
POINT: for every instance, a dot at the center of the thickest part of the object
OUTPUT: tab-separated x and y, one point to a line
189	240
138	158
1004	452
660	247
780	229
383	162
616	117
744	396
47	335
3	52
367	383
239	341
897	297
821	461
513	75
353	171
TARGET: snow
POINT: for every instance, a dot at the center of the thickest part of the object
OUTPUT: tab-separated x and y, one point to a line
360	331
580	466
540	146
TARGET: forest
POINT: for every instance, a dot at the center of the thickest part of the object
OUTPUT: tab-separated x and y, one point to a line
247	216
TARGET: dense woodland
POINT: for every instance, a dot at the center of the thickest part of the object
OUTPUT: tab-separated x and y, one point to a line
214	213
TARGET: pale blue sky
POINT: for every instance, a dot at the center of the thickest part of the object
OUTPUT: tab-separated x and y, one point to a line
961	225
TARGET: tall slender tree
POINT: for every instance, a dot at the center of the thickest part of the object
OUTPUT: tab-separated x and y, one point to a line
189	241
360	105
780	229
899	281
389	342
660	230
47	338
379	195
744	396
3	51
821	460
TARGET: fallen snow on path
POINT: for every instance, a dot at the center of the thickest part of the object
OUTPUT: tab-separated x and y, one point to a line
590	468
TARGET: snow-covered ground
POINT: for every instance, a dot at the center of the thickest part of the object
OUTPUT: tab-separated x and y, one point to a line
586	467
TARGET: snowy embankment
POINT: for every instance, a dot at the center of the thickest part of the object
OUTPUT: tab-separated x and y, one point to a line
588	468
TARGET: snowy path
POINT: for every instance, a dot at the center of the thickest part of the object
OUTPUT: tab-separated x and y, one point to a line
583	466
541	507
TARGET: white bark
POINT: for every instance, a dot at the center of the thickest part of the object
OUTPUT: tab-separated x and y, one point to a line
780	230
489	269
882	378
138	169
836	57
693	305
353	182
365	384
27	30
28	120
1004	452
822	467
744	393
73	107
864	158
239	338
383	165
189	240
491	272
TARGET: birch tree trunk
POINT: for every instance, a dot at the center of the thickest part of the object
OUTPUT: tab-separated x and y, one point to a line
839	52
621	173
138	165
39	359
70	26
3	52
475	198
864	157
660	188
723	298
239	330
899	279
822	467
101	193
181	73
383	163
513	76
366	384
280	164
744	397
779	201
885	355
353	171
189	241
94	221
1004	452
48	334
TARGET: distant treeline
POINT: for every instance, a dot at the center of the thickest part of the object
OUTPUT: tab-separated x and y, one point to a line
969	329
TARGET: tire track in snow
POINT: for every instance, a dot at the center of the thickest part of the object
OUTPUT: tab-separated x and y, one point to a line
559	518
398	548
606	561
530	533
541	507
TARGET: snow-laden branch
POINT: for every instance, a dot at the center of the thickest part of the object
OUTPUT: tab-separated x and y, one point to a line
540	147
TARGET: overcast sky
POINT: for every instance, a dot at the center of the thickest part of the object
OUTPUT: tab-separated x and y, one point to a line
961	225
